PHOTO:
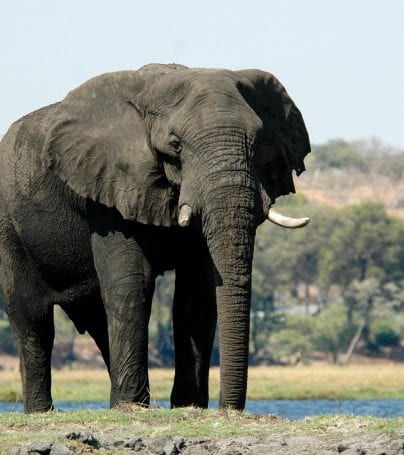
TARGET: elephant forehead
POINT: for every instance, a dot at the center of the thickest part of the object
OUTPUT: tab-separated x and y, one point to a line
191	83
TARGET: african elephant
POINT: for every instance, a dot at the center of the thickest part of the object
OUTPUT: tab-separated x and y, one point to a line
132	174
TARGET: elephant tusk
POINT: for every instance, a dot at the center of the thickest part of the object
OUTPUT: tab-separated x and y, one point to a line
286	221
185	215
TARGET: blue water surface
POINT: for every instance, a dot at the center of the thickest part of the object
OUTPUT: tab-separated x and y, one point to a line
290	409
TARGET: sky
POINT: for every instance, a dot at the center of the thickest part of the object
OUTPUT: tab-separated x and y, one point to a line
341	61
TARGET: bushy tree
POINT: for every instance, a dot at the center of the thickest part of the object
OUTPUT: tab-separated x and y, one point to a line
331	333
296	336
393	166
161	330
367	243
337	154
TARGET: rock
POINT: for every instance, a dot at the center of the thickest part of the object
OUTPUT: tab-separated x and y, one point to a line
232	451
162	446
179	443
85	438
135	444
196	450
58	449
42	448
341	447
19	451
169	448
108	442
394	448
234	448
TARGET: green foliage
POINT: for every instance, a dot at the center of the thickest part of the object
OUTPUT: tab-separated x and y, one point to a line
289	341
7	340
365	243
387	337
331	332
384	332
352	257
294	336
337	154
393	166
292	200
161	332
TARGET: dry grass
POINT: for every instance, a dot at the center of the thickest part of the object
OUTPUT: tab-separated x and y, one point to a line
301	382
347	187
327	381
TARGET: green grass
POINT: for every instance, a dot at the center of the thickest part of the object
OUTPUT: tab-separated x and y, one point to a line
372	381
187	422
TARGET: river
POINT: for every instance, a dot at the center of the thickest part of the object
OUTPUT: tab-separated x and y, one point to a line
291	409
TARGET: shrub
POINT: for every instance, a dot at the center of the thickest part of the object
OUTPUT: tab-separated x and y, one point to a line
338	154
394	166
7	340
384	333
290	341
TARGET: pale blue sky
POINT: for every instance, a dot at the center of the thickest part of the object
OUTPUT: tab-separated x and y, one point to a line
342	61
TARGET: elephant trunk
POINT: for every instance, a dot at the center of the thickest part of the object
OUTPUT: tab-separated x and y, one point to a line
229	228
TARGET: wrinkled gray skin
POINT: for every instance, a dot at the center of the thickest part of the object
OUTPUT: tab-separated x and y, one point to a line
90	191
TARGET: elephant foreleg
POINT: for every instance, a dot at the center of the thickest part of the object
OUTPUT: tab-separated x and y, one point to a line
127	285
194	320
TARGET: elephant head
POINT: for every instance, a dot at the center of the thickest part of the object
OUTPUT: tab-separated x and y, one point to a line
168	145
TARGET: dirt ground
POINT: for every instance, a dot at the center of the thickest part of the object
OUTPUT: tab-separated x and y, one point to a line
81	441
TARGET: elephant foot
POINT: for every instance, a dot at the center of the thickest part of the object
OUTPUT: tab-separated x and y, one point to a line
181	397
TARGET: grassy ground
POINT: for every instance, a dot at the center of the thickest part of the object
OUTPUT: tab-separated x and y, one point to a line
16	429
304	382
373	381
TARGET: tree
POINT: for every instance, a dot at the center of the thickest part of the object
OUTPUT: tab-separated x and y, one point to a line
330	332
161	330
365	253
338	154
393	166
367	243
295	337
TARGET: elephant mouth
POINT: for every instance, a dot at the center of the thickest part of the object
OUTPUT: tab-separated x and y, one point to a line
185	217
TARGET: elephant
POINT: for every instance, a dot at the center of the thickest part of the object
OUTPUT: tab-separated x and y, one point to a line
132	174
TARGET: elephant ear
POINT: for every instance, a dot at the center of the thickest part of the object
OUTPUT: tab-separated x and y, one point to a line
99	146
285	141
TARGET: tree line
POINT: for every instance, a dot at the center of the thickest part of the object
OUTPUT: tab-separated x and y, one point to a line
334	287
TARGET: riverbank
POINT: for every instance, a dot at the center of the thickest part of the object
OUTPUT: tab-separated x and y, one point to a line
196	431
370	381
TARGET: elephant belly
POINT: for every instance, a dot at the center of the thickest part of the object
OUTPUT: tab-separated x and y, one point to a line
51	225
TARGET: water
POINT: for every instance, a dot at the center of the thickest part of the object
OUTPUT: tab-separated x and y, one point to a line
291	409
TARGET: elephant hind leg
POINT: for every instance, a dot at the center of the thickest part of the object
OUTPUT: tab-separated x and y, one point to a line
31	316
35	347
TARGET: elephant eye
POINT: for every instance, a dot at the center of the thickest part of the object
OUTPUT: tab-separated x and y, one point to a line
176	145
